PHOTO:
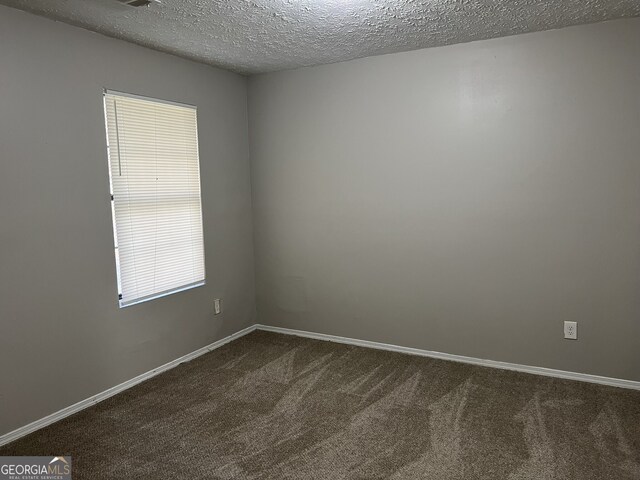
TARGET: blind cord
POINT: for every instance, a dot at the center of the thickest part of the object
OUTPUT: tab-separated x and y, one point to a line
115	114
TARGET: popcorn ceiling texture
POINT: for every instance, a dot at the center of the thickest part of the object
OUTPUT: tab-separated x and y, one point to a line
255	36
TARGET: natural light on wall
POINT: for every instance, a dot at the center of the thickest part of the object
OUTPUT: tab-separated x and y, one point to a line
155	196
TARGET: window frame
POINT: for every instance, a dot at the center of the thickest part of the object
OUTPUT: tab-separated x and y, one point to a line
122	303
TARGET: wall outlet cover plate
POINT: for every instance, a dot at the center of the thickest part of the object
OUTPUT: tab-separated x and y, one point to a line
571	330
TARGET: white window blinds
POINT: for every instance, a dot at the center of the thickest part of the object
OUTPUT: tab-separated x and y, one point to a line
155	187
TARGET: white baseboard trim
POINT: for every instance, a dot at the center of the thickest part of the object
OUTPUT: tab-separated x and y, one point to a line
548	372
65	412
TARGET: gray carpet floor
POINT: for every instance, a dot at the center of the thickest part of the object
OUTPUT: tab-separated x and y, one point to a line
270	406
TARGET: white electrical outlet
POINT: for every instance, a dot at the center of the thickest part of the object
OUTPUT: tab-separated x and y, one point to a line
217	307
571	330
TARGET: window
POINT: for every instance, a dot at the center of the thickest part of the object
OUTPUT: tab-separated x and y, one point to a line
155	196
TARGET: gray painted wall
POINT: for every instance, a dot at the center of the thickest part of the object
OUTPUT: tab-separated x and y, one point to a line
465	199
63	337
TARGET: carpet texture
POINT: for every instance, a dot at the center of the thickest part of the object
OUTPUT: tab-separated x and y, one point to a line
271	406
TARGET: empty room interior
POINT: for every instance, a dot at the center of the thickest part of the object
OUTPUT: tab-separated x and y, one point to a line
320	239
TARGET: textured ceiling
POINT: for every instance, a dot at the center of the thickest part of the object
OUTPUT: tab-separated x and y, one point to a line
253	36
